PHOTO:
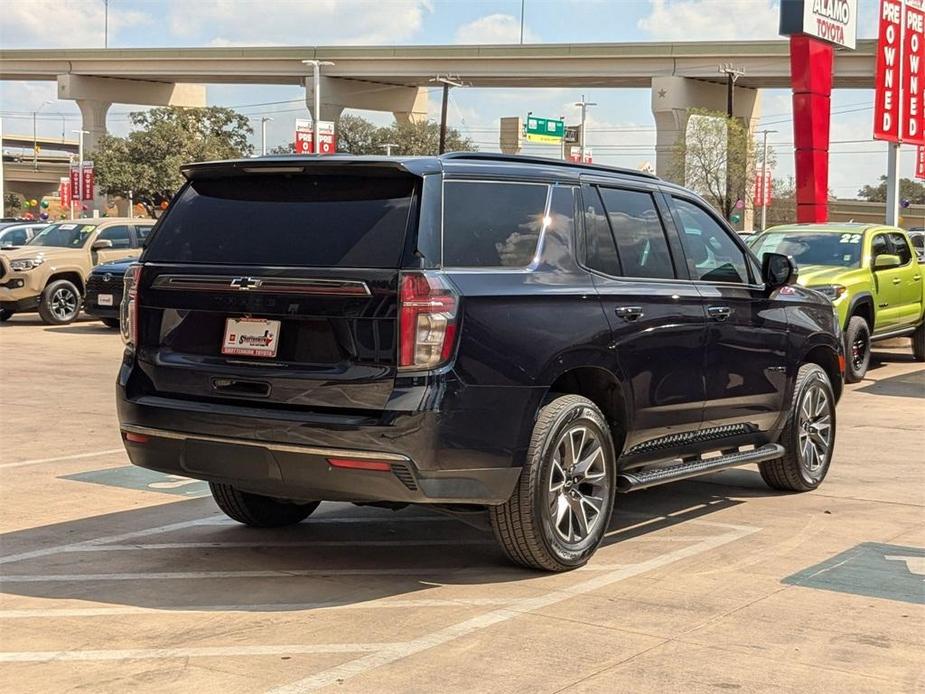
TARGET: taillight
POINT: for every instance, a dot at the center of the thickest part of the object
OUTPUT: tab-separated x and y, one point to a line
427	320
128	309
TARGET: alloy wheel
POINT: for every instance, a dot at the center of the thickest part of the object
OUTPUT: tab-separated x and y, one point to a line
859	351
64	304
579	485
815	429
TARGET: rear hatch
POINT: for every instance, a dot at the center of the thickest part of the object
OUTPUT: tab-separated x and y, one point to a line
278	289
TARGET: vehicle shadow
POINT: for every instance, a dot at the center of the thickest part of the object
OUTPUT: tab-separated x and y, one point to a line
90	326
32	319
184	556
908	385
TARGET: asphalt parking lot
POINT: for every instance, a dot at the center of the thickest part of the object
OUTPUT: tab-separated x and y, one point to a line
116	579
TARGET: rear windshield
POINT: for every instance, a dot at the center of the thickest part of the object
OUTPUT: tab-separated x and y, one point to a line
328	221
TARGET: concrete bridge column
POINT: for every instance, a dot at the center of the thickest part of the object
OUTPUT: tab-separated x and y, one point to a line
407	104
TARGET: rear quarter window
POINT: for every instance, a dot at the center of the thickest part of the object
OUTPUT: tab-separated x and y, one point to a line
492	224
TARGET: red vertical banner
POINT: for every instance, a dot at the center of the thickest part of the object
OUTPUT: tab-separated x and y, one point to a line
75	182
64	191
887	75
88	181
913	73
920	161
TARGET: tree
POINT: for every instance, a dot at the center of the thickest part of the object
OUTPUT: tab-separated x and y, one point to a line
356	135
713	146
147	161
910	190
783	207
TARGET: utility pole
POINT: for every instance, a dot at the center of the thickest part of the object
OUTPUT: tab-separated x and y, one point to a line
263	135
388	148
35	143
892	186
316	113
583	105
764	179
522	3
105	23
732	75
80	170
447	81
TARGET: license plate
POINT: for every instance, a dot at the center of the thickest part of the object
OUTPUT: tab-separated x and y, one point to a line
251	337
104	299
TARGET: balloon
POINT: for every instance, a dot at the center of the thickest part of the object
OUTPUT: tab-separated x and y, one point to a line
164	205
43	216
33	203
29	216
44	204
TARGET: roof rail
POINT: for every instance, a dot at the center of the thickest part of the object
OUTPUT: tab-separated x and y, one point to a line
522	159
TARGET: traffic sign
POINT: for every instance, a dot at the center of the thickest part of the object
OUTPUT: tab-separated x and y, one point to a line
548	130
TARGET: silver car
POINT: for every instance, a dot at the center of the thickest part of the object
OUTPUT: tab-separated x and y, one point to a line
19	233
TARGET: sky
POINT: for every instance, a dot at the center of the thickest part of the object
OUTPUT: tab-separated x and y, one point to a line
620	130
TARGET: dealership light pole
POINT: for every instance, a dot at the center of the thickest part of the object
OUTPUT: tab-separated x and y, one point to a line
263	135
316	76
583	105
388	148
764	179
2	188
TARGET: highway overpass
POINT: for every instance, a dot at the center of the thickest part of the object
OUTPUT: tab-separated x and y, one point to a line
681	75
56	144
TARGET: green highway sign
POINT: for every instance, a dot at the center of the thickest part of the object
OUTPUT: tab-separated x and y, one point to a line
545	130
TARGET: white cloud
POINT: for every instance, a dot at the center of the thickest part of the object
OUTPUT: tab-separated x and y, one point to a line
63	23
494	28
711	20
296	22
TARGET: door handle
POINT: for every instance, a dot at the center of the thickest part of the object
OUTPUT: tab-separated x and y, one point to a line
629	313
896	280
916	278
719	313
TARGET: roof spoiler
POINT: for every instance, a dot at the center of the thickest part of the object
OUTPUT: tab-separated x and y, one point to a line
308	164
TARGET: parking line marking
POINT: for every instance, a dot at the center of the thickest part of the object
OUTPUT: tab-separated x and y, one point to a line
77	456
391	654
297	543
200	652
181	610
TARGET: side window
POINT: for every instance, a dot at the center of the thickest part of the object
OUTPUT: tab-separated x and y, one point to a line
600	251
490	224
637	229
878	246
142	231
560	227
16	237
901	248
712	255
119	235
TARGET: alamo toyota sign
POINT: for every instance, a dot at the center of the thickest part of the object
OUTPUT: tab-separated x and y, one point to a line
835	21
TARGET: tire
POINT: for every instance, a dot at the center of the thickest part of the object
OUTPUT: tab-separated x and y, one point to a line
529	531
857	349
918	343
60	303
258	511
111	323
801	469
5	315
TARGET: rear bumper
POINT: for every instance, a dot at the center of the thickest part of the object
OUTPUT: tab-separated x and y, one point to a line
101	311
305	473
444	443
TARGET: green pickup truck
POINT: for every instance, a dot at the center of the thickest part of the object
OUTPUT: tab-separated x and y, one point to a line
870	273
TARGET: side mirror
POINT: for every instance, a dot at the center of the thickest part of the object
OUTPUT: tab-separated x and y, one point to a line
100	244
778	270
886	261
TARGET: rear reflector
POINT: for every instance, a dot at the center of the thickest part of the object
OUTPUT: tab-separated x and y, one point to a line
841	363
351	464
135	438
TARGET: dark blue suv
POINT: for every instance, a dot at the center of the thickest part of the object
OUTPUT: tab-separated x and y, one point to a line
516	333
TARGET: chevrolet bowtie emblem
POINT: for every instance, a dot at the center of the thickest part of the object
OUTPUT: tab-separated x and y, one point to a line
244	283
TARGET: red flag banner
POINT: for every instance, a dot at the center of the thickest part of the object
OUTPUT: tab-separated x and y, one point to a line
913	69
887	75
920	161
64	191
75	182
87	189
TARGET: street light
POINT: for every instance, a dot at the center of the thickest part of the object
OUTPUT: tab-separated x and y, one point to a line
263	135
388	148
447	81
35	154
583	105
80	169
316	75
